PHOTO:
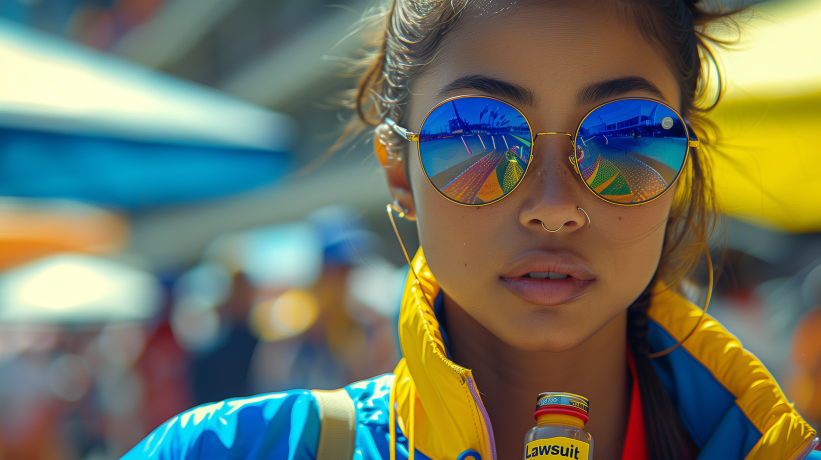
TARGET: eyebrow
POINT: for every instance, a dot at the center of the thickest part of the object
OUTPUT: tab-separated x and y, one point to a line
611	88
492	86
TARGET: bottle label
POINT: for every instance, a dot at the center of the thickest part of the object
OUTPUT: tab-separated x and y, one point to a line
558	399
560	447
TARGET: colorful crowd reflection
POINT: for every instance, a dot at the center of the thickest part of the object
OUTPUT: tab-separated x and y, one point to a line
630	151
475	149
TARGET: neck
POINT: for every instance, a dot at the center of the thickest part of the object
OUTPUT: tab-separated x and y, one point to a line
510	379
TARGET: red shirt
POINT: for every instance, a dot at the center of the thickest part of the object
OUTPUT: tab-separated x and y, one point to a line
635	442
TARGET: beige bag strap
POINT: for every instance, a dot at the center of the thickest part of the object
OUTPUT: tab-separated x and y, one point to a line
337	429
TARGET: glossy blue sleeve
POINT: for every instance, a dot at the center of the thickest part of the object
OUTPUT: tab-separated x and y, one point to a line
277	425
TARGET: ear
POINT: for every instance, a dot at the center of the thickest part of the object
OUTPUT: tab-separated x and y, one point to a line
391	157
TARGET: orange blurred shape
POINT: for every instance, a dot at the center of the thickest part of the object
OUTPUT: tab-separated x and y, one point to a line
805	386
32	229
807	341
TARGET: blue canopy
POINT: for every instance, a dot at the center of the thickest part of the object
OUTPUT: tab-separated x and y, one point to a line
128	174
78	123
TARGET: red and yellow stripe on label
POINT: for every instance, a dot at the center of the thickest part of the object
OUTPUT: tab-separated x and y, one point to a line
556	448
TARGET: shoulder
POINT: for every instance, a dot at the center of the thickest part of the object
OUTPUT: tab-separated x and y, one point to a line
283	425
728	400
264	426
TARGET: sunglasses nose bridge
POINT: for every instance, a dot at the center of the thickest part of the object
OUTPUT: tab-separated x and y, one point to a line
553	132
569	136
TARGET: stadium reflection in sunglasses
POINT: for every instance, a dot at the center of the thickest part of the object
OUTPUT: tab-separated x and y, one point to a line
475	150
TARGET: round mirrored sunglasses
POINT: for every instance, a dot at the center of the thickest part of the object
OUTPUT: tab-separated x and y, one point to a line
475	150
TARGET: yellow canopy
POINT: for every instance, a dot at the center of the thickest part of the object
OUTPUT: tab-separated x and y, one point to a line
768	170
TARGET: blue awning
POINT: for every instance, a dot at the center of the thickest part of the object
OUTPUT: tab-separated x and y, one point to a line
128	174
78	123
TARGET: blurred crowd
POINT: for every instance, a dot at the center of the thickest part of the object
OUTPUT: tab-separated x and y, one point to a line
95	354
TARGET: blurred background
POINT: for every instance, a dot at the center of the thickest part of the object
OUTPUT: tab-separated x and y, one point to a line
171	232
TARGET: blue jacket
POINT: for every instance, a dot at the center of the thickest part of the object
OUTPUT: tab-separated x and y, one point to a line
727	399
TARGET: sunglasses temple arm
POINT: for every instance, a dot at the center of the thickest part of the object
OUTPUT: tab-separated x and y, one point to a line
692	139
402	131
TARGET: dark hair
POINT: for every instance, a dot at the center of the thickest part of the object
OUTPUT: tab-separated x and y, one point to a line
406	35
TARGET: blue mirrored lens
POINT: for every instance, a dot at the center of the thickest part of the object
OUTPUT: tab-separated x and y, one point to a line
631	151
475	149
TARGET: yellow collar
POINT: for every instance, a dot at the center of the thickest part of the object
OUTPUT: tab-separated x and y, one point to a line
438	405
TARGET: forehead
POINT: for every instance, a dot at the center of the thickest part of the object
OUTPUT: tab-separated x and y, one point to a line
553	50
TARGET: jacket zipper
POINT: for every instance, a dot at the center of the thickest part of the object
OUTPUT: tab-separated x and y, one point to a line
486	418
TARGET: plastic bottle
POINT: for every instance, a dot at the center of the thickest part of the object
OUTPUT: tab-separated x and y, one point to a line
559	431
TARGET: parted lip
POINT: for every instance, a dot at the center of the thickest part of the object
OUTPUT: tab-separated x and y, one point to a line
556	262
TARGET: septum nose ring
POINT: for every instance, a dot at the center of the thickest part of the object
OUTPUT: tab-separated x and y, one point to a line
554	231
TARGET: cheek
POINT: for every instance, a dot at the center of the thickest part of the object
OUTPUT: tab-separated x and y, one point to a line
455	237
445	232
631	247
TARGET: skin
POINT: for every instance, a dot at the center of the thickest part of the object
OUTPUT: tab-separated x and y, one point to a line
516	348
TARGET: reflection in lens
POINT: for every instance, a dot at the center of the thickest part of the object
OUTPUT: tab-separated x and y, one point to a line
630	151
475	149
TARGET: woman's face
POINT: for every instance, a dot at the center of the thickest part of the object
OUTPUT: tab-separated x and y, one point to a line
481	255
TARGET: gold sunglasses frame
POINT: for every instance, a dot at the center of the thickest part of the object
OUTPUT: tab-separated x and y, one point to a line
573	158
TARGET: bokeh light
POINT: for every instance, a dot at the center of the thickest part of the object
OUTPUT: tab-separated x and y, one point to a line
290	314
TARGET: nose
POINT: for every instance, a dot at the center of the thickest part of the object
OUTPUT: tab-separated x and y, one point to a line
572	156
552	193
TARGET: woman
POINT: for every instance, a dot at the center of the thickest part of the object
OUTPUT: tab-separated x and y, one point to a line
548	265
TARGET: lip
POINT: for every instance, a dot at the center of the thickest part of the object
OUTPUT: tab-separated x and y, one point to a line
548	292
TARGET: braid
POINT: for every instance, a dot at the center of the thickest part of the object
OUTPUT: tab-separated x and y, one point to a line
638	323
667	438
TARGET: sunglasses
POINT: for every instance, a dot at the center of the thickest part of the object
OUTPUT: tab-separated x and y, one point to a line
475	150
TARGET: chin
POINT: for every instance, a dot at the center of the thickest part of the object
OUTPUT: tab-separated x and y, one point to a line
544	339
